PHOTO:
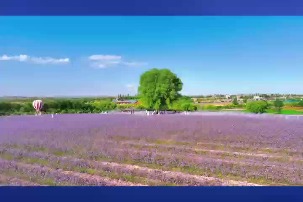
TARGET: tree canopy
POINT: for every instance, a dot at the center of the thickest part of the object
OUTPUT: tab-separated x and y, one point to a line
159	88
257	106
235	101
278	104
184	104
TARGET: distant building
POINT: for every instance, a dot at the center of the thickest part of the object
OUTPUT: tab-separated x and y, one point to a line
239	99
257	97
119	102
195	100
227	96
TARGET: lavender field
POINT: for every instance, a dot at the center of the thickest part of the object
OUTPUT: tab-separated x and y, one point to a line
138	150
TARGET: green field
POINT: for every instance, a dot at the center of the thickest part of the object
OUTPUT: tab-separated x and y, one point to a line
286	112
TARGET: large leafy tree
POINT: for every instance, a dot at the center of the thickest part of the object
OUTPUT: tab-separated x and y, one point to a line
159	88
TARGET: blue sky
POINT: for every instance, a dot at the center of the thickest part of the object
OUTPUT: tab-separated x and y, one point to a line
79	56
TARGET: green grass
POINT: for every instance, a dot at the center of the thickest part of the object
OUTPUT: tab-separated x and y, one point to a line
269	111
291	112
285	112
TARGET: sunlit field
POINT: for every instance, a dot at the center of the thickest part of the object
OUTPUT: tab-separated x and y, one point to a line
136	150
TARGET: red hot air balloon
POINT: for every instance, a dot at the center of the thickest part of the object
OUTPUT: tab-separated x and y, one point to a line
38	104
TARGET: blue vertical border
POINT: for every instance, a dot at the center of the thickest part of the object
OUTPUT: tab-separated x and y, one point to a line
146	194
151	7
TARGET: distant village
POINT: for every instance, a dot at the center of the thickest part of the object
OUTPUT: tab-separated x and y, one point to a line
219	99
125	99
242	98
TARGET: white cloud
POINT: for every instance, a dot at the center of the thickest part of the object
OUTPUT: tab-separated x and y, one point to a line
49	60
20	58
105	57
105	61
35	60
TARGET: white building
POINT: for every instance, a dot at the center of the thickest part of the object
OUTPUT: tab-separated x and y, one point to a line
257	97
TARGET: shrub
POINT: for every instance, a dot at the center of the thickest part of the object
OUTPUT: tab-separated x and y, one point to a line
300	104
257	106
212	107
188	107
141	107
183	104
278	104
235	101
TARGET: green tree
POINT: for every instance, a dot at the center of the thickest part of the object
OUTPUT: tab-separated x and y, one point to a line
235	101
103	106
159	88
184	104
257	106
5	108
188	107
300	104
28	107
278	104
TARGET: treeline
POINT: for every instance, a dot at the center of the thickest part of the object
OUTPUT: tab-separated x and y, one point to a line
58	106
97	105
260	106
83	105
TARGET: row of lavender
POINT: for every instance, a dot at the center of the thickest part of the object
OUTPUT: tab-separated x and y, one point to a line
221	149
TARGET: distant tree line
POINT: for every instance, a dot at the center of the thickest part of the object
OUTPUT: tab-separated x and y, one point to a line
97	105
85	105
58	106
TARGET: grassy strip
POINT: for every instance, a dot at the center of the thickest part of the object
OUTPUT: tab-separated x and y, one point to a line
285	112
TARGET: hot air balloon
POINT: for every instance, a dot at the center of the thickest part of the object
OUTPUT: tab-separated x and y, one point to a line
38	104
